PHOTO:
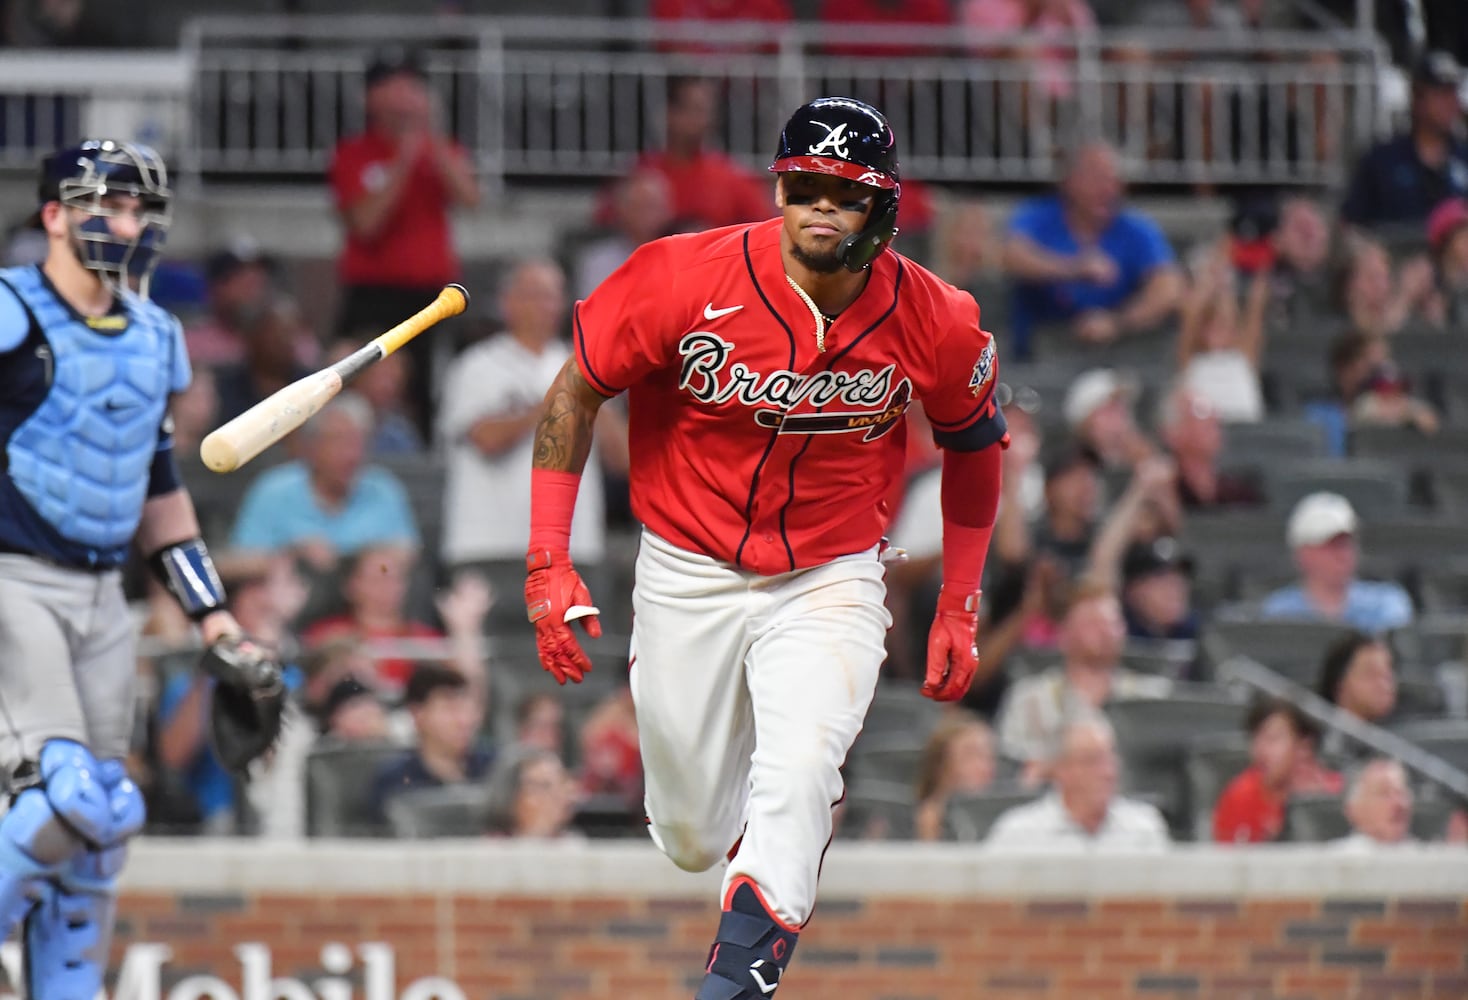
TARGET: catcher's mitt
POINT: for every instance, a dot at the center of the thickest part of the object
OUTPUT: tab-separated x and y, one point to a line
248	702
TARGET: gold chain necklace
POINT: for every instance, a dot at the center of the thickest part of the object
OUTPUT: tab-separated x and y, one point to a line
819	316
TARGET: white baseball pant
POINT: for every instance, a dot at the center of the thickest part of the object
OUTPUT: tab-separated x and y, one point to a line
749	692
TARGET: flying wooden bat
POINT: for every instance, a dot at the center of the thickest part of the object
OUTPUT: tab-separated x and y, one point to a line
247	435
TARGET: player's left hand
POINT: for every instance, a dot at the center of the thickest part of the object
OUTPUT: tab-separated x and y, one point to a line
247	707
555	596
953	655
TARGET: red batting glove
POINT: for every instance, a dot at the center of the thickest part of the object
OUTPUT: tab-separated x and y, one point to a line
554	590
953	657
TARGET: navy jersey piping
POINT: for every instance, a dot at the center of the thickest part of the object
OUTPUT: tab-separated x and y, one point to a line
597	382
973	415
790	496
775	433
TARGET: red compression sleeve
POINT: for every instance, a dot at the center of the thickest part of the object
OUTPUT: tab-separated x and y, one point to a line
970	502
552	502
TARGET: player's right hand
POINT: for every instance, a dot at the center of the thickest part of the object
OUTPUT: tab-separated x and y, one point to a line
555	596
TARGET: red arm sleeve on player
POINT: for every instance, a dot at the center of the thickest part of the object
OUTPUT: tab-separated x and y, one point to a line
552	505
970	502
620	330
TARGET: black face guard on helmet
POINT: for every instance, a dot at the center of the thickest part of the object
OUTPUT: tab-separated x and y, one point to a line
83	176
843	137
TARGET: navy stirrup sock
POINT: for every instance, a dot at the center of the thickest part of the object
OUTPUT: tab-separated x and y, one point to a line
750	951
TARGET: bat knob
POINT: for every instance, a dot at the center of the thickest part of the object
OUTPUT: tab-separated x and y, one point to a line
219	453
456	296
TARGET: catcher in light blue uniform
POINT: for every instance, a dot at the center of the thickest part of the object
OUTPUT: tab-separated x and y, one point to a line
87	366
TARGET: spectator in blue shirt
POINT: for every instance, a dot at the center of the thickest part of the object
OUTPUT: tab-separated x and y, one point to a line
1080	258
1322	533
1398	182
447	710
328	504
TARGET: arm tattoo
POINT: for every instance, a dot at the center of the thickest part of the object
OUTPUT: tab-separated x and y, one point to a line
563	437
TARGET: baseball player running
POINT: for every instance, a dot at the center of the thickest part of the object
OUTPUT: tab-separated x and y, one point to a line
86	370
767	369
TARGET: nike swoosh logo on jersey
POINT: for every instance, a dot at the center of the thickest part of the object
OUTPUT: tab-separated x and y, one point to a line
709	312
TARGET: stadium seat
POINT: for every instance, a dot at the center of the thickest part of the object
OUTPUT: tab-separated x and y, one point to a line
339	789
1376	488
1414	545
877	809
1172	658
969	818
1315	819
1211	763
511	683
1410	446
1282	439
1419	697
1153	736
1321	818
1292	648
1443	738
891	757
453	811
1432	639
901	708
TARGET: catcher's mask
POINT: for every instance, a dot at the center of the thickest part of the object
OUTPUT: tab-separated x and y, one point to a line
83	177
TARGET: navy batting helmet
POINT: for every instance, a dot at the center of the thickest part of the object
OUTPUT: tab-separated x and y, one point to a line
83	176
840	136
844	137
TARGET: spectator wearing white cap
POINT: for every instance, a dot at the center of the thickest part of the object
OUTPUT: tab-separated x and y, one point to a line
1322	533
1098	410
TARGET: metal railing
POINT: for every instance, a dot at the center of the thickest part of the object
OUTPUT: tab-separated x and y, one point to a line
1381	741
583	97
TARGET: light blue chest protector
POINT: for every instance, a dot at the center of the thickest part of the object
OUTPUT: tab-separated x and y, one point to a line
82	459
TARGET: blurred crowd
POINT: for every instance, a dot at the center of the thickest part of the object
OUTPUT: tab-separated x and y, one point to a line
379	550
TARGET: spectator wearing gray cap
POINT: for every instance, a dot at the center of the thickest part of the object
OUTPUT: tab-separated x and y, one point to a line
1401	180
1323	535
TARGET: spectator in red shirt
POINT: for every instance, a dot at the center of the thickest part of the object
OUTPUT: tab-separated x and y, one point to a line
394	185
240	277
879	14
1251	809
708	188
376	589
770	11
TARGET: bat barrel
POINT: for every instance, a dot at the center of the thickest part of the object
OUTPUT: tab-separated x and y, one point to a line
247	435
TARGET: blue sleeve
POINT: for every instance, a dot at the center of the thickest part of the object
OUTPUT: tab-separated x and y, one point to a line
15	322
1028	219
174	691
181	375
1280	604
401	524
254	526
1397	611
1153	250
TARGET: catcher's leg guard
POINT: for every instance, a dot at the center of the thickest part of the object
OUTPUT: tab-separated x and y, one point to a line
750	950
65	803
69	931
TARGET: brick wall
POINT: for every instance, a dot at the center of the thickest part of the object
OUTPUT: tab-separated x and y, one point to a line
513	947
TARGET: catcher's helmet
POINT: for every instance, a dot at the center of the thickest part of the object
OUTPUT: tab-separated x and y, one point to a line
82	176
844	137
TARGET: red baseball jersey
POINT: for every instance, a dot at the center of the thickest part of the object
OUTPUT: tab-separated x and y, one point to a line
749	443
